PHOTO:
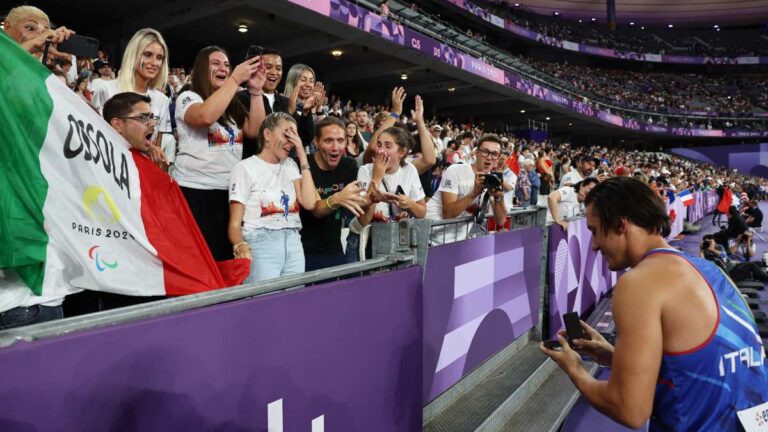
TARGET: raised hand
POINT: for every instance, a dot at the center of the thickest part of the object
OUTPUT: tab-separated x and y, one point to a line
245	70
417	113
256	81
398	97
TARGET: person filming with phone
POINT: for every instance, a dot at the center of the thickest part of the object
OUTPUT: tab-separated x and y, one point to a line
688	355
30	27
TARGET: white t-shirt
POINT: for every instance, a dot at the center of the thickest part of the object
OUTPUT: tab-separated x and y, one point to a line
458	179
15	293
268	193
158	103
572	177
511	178
270	100
569	205
406	177
206	156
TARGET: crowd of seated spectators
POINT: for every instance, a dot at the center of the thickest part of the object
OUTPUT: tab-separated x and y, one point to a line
738	95
637	38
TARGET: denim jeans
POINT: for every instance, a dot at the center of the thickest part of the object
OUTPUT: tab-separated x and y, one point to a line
22	316
275	253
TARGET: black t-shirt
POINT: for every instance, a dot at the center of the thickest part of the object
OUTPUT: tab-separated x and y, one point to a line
323	236
757	214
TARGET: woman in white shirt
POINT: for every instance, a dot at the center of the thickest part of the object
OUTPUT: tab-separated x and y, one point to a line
265	193
211	122
392	184
144	71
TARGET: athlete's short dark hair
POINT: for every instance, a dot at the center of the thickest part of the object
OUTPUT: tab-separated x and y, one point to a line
625	198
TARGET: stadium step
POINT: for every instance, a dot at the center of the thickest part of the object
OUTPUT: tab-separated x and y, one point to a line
760	317
504	398
757	285
749	292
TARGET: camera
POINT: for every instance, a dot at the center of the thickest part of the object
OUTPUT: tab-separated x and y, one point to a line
493	180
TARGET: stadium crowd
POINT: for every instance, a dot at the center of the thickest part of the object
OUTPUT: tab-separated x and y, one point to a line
739	95
274	176
633	38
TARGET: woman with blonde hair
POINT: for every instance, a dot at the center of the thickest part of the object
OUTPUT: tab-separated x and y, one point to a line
305	99
143	70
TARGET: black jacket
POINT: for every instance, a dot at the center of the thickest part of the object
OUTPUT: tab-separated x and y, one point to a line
305	124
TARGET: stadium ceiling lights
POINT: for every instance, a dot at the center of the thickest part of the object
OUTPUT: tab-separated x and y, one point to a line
522	111
242	28
451	89
547	119
337	53
556	13
670	26
632	23
404	76
593	19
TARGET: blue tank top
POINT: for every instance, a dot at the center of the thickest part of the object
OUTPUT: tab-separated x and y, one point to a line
702	389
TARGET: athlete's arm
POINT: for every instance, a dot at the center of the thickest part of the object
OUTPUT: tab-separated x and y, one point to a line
627	396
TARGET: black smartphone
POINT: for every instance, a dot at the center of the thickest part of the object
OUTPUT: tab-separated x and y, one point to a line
80	46
573	326
254	51
399	190
551	344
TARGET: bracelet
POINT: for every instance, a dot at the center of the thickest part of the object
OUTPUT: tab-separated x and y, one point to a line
256	94
237	246
328	204
305	167
394	115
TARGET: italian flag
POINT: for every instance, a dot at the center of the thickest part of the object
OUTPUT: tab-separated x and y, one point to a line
79	209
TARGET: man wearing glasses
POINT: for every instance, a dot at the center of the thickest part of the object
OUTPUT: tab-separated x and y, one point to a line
130	114
461	192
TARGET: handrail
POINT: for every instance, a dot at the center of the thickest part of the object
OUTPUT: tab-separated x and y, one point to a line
491	53
193	301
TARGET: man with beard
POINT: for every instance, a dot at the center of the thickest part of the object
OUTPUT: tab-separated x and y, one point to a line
461	191
335	177
587	164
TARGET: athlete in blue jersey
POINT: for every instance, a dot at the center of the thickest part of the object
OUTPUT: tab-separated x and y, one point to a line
688	355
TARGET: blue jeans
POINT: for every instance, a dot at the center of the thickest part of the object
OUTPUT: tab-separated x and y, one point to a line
275	253
22	316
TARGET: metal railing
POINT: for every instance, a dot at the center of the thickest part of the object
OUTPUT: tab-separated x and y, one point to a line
416	236
158	308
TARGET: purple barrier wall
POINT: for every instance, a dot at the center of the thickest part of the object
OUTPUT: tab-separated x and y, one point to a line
348	351
578	276
704	204
750	159
479	296
361	18
599	51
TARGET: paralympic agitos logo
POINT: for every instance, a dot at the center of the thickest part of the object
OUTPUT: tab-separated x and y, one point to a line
101	259
84	139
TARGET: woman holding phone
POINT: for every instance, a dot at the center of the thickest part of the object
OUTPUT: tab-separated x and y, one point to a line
211	123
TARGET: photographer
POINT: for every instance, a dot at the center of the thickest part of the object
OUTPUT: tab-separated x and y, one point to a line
754	214
743	244
461	190
749	270
736	227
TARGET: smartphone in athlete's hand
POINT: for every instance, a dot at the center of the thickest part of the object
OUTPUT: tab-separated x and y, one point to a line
573	326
